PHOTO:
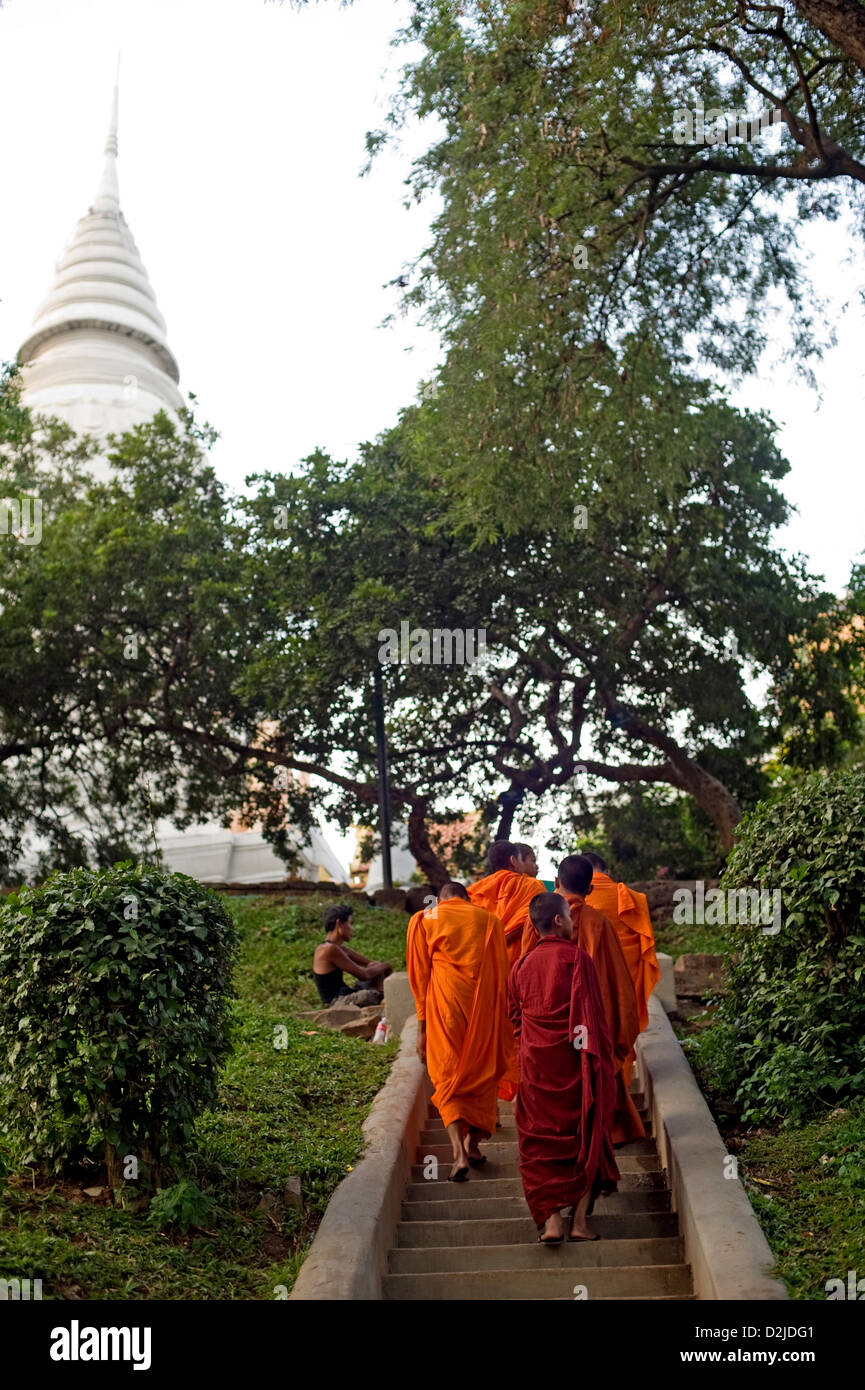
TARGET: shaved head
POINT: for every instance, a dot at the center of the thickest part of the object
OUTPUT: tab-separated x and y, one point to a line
575	874
500	855
595	860
545	909
452	890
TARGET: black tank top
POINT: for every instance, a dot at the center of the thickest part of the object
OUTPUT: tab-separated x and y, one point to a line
329	986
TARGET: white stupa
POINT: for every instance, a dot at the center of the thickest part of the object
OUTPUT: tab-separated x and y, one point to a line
99	359
97	356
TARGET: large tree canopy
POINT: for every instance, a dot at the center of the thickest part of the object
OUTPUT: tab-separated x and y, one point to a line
219	652
577	237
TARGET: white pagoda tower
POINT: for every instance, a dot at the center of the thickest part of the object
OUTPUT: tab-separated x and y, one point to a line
98	357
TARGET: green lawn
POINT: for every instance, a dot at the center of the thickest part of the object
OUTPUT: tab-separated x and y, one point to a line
685	938
806	1182
807	1186
284	1112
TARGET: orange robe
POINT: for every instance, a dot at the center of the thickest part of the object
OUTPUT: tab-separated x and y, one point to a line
597	935
629	913
458	971
508	895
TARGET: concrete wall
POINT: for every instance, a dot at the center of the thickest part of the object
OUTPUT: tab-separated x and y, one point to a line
349	1254
724	1243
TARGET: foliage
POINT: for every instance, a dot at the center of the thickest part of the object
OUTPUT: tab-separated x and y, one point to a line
821	694
789	1036
280	1114
646	828
807	1185
181	1206
578	247
114	989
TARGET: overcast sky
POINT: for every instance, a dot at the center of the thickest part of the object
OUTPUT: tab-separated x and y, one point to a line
241	137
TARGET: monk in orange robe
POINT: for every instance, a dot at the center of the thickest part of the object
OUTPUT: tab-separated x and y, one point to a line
597	935
628	911
508	889
458	971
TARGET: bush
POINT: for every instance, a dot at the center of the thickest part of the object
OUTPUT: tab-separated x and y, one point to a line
793	1019
182	1206
114	1015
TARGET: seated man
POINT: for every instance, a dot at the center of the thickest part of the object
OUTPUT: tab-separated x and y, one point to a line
333	956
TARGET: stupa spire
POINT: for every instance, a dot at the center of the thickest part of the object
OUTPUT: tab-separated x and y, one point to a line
108	197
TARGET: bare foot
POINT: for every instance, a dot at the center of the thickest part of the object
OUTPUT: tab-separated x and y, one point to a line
580	1231
460	1170
554	1229
471	1146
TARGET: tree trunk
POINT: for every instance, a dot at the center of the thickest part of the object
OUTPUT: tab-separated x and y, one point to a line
715	800
842	22
419	844
509	801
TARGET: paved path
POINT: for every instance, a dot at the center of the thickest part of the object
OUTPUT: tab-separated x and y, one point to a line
476	1240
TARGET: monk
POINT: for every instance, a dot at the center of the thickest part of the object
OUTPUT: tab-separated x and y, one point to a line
628	911
458	971
508	889
597	935
564	1107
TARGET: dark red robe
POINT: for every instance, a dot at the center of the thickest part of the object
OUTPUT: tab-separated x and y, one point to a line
564	1106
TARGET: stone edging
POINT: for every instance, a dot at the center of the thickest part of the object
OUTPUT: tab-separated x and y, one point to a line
349	1253
724	1243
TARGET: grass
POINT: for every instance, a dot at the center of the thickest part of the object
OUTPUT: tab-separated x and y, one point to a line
284	1112
805	1181
687	938
807	1186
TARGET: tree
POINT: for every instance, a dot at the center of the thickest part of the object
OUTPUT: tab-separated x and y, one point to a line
617	647
579	246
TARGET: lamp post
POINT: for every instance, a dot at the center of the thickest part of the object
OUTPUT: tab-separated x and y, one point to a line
383	788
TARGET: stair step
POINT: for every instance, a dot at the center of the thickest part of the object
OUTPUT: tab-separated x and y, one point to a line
520	1229
480	1208
495	1152
612	1282
497	1172
432	1135
637	1146
661	1250
509	1185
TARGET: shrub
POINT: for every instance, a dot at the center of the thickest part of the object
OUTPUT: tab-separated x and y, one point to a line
114	1015
182	1206
793	1018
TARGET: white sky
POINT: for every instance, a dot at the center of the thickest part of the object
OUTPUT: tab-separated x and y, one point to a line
241	137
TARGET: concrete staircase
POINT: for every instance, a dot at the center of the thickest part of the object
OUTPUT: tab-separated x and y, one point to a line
476	1240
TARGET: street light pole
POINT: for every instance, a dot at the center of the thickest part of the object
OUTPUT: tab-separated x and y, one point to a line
383	788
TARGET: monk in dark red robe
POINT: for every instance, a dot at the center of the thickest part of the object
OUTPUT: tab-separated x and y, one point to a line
597	935
564	1106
